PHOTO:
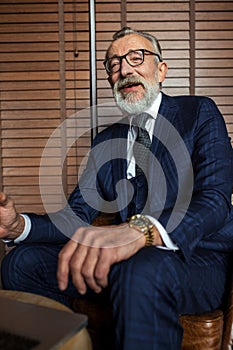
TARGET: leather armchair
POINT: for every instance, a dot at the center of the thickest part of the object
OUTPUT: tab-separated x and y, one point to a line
208	331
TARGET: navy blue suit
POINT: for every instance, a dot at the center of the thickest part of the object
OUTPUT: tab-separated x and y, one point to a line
189	191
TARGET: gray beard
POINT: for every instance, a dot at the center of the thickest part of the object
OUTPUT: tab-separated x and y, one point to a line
131	105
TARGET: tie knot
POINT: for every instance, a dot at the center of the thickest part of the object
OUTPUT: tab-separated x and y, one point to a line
141	119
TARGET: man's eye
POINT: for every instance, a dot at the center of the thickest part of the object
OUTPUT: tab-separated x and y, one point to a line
114	63
136	59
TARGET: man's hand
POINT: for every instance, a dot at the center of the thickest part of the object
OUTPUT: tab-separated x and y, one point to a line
90	253
11	223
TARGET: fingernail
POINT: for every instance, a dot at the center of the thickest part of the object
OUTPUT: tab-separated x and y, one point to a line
61	285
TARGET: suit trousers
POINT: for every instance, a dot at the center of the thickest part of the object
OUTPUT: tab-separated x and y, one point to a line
147	291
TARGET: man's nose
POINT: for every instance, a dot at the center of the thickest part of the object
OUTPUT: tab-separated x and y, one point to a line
126	68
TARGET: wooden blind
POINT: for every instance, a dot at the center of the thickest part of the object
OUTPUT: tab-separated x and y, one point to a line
30	95
108	21
214	54
44	68
169	22
77	62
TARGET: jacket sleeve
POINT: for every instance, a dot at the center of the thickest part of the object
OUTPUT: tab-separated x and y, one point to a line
210	206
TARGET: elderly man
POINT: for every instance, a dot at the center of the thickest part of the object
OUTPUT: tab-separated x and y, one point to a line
166	170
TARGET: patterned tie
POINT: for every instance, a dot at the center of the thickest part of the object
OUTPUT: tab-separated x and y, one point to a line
141	154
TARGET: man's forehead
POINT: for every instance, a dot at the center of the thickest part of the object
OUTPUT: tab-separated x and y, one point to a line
127	43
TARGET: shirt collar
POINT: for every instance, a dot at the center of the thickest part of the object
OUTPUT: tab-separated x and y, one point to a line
154	108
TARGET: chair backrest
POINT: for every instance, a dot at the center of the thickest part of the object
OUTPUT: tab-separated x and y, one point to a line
228	324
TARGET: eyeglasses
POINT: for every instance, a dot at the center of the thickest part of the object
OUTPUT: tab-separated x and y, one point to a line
134	58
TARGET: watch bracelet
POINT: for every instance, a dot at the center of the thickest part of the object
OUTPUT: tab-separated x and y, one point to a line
149	237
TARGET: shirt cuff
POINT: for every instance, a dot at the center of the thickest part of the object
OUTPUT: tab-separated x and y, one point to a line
27	229
169	244
24	234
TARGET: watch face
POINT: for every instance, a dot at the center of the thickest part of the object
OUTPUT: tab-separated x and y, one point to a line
138	221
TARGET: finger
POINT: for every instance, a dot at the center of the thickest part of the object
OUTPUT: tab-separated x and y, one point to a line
76	265
64	258
3	199
88	269
106	259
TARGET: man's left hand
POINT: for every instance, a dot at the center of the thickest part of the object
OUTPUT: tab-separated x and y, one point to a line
90	253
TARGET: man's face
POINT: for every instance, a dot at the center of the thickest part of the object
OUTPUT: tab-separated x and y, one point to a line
135	88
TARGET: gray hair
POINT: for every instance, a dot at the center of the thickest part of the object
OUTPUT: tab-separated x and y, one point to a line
127	31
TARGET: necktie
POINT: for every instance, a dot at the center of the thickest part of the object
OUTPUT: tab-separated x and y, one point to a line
142	145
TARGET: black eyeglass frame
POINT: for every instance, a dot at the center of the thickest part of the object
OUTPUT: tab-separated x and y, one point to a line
144	51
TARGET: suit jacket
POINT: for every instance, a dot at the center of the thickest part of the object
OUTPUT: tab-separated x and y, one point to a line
189	181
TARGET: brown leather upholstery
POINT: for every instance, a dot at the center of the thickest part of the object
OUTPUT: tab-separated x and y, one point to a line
202	331
209	331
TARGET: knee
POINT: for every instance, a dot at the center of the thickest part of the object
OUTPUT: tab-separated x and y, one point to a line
17	262
151	270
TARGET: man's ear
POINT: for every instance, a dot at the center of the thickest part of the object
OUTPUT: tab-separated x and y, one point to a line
162	71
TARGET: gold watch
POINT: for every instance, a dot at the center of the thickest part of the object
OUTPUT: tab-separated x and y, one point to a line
144	225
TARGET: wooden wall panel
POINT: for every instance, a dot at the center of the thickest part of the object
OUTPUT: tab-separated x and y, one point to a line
77	61
214	54
30	96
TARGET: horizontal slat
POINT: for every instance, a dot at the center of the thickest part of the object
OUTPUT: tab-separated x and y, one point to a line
218	6
157	6
28	28
31	95
24	134
30	114
164	16
212	25
31	66
218	62
24	105
176	82
215	91
226	109
33	190
28	8
18	153
29	37
213	53
214	35
29	76
29	124
50	199
29	18
213	16
215	44
32	180
214	82
213	72
29	162
172	2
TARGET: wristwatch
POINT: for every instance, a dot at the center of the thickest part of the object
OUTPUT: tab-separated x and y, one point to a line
144	225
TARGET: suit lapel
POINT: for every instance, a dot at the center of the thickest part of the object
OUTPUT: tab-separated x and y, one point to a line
119	166
164	125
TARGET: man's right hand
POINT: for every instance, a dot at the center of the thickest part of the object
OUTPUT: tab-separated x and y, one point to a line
11	223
